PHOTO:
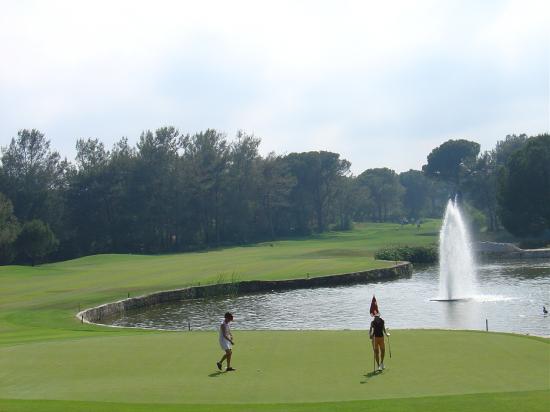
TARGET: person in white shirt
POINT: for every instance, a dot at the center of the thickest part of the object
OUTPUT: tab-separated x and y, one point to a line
226	342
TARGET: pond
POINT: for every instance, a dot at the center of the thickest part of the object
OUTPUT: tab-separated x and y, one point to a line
509	295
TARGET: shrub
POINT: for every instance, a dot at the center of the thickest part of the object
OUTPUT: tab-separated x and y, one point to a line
414	254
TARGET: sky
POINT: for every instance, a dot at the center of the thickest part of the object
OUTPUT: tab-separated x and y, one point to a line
380	82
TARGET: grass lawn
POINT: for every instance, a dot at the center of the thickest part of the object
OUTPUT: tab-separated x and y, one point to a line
534	401
287	367
49	361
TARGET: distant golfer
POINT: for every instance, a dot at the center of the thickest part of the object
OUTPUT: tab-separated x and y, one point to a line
376	333
226	342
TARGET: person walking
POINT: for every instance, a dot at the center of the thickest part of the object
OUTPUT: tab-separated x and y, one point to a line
376	333
226	342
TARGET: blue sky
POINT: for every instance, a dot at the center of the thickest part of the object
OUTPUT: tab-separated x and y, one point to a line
381	83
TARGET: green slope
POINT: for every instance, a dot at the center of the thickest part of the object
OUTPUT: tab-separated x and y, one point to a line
49	361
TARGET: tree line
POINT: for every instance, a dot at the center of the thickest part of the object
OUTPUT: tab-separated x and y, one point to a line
175	192
509	186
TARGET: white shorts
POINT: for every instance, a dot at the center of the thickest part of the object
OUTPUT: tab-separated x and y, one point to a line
225	344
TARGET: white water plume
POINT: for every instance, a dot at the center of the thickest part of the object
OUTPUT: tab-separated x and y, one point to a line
456	262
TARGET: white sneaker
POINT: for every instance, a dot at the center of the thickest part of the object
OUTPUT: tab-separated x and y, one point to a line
382	366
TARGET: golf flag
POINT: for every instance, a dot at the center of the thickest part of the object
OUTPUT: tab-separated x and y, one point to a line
373	306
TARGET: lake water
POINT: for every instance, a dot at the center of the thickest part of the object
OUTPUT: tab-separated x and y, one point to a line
509	294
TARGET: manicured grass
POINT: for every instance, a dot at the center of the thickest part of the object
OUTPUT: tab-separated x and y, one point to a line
532	401
273	367
48	296
49	361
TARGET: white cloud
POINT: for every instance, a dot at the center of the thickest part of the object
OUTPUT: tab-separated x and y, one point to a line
303	75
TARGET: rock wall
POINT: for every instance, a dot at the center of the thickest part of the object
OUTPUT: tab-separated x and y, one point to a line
509	251
110	310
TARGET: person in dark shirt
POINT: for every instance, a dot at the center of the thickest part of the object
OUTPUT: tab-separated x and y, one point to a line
376	333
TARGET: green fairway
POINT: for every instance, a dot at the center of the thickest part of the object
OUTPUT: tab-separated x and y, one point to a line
49	361
48	296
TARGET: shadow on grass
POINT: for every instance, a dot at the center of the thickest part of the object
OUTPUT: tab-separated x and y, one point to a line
370	375
216	374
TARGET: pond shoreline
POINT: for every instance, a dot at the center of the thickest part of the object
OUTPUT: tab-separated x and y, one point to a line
96	314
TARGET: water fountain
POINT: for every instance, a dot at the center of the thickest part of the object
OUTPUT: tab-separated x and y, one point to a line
456	262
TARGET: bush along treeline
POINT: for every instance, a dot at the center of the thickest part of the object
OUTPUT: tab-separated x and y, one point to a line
174	192
413	254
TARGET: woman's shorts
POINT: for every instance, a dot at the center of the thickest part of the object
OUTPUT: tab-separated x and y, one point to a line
378	343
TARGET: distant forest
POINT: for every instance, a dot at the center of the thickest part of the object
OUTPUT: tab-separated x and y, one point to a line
175	192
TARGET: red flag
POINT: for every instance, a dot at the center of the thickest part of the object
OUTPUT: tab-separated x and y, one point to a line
373	306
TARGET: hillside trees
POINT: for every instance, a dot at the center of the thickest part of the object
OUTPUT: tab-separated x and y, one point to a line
384	191
416	194
275	185
480	182
243	202
33	178
175	192
449	160
35	241
318	175
155	189
9	230
524	188
206	157
88	195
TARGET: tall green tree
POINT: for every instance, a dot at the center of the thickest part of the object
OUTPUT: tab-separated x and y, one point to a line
450	160
345	204
88	198
35	241
504	149
480	188
240	194
275	186
206	157
385	192
318	175
33	178
480	183
524	188
417	193
124	211
9	230
155	188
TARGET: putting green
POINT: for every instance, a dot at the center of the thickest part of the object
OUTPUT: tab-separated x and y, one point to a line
273	367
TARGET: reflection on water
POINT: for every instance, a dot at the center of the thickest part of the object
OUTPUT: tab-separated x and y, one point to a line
510	296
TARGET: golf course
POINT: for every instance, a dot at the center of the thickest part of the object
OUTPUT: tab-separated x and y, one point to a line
50	361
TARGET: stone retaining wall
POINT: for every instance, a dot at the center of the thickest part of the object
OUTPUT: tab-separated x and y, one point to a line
509	251
522	254
110	310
